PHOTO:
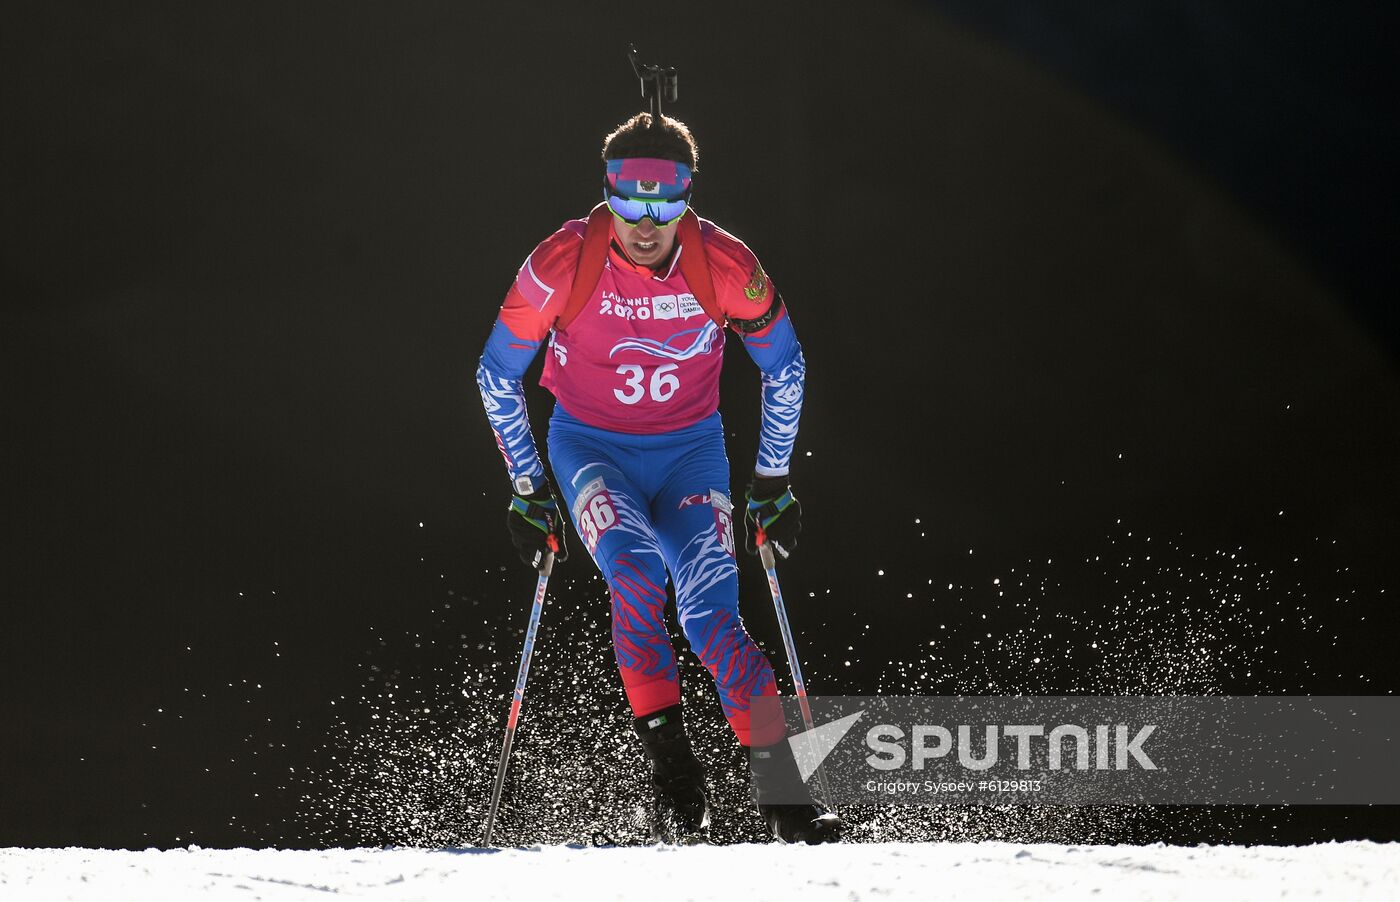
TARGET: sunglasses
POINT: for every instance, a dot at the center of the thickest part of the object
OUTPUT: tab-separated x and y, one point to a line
632	210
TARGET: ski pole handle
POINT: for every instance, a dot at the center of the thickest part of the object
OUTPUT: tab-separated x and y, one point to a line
765	548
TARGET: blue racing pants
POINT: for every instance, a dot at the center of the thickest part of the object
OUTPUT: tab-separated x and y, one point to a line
649	506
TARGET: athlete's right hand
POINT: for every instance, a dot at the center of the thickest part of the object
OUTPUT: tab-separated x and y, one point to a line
536	526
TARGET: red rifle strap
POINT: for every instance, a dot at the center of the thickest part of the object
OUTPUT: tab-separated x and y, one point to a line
591	259
695	265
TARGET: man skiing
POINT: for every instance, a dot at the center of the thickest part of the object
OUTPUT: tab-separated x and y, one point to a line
634	301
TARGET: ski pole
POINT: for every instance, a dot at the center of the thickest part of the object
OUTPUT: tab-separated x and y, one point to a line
765	554
518	697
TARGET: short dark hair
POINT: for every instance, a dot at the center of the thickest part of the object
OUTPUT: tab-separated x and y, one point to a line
636	138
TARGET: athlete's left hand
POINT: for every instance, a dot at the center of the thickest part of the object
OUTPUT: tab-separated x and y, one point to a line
774	515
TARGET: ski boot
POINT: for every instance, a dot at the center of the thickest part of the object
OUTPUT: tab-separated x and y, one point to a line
779	791
680	813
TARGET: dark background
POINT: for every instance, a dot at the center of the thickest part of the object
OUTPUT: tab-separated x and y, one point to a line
1069	278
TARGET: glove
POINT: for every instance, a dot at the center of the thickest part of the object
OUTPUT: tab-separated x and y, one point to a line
773	515
536	526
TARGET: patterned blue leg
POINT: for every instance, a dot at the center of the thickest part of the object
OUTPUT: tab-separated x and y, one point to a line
695	524
615	530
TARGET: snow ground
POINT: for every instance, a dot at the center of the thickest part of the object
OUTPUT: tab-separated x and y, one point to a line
880	871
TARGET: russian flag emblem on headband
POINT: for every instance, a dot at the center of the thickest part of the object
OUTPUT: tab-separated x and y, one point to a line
648	177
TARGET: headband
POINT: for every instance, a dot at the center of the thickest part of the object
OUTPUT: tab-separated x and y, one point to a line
644	177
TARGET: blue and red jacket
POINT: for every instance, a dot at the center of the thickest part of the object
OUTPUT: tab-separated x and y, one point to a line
641	355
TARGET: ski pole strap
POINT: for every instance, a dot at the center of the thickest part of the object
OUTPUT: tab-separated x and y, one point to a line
539	513
765	512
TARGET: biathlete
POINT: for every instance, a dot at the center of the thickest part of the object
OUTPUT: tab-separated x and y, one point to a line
634	302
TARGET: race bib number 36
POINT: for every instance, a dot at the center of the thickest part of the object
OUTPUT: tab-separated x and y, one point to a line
595	513
724	520
660	387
